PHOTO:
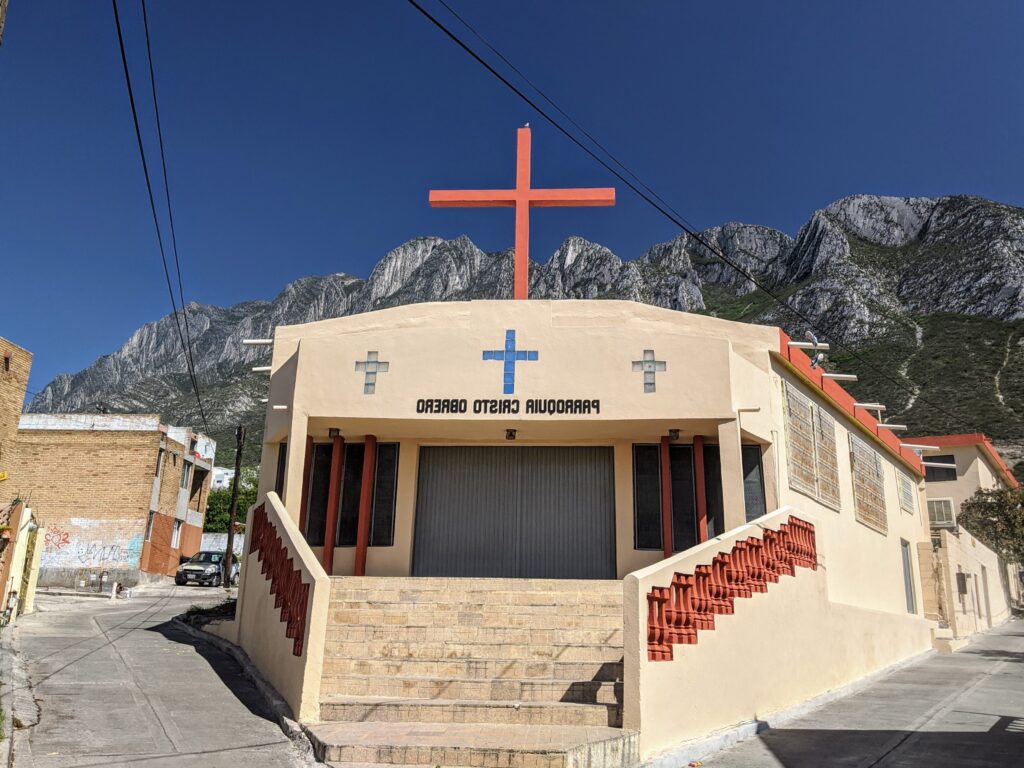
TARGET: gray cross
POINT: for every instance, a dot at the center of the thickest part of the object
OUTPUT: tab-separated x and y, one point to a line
649	366
371	366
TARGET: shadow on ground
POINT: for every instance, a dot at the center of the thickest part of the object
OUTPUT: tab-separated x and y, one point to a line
1002	746
225	667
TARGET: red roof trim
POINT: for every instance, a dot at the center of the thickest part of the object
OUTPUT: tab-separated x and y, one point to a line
979	439
844	401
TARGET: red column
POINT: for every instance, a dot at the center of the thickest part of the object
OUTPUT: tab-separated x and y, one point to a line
365	504
333	500
666	499
702	497
307	467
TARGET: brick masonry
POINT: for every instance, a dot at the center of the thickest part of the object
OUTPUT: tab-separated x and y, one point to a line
15	365
92	491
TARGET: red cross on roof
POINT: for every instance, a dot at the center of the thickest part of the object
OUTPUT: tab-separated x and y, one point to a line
522	198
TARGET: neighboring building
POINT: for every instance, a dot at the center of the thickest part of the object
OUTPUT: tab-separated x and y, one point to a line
122	495
222	477
19	541
968	587
581	467
15	366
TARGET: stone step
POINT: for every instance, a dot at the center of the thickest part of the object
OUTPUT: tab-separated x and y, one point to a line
388	710
394	686
391	649
453	585
485	606
476	669
474	744
474	634
509	601
547	616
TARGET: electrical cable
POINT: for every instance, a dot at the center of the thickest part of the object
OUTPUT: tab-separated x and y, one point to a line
167	189
156	218
653	200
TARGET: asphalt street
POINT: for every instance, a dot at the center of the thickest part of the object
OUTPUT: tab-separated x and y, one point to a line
117	684
961	710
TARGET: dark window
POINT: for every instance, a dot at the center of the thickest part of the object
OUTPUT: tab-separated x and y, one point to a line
646	496
282	463
684	500
713	490
382	531
932	474
908	576
351	484
382	519
753	482
319	486
7	361
159	461
149	525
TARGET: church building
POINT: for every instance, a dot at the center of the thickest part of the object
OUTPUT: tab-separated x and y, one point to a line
580	533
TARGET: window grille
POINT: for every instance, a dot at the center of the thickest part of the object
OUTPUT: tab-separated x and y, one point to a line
868	485
827	460
940	513
907	490
811	449
800	444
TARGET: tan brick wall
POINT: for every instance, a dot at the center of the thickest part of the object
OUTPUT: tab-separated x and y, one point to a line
91	490
13	382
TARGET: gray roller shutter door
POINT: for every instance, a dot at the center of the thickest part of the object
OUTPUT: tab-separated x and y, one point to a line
497	511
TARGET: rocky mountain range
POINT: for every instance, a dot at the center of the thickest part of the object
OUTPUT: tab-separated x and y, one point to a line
924	295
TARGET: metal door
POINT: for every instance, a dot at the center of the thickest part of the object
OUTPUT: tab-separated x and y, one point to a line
504	511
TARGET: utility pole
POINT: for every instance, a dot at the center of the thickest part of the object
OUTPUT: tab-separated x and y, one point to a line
229	552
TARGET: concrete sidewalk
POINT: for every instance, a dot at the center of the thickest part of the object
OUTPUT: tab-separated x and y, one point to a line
118	685
962	710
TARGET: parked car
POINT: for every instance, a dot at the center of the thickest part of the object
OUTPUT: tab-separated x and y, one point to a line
205	569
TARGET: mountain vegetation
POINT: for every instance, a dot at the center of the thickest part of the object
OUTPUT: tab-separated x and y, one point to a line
923	298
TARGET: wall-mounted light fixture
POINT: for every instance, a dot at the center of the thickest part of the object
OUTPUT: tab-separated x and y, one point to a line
510	434
673	434
333	432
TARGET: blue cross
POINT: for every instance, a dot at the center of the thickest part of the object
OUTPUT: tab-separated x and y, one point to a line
510	355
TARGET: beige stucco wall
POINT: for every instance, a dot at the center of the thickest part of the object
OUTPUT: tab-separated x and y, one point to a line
258	628
973	471
866	564
777	650
720	382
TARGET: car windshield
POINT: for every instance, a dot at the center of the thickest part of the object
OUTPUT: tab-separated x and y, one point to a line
207	557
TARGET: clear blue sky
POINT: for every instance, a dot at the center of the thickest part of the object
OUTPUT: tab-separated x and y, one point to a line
302	137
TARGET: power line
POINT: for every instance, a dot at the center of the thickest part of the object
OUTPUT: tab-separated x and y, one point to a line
167	190
156	218
653	200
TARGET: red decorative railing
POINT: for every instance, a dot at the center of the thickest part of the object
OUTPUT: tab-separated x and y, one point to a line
677	612
292	595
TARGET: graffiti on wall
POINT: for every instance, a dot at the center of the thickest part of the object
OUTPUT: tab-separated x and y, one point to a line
64	550
57	538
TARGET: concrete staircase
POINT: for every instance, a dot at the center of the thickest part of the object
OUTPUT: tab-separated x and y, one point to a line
503	673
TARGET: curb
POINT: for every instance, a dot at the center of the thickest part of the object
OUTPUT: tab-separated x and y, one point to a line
70	593
7	696
278	707
19	705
